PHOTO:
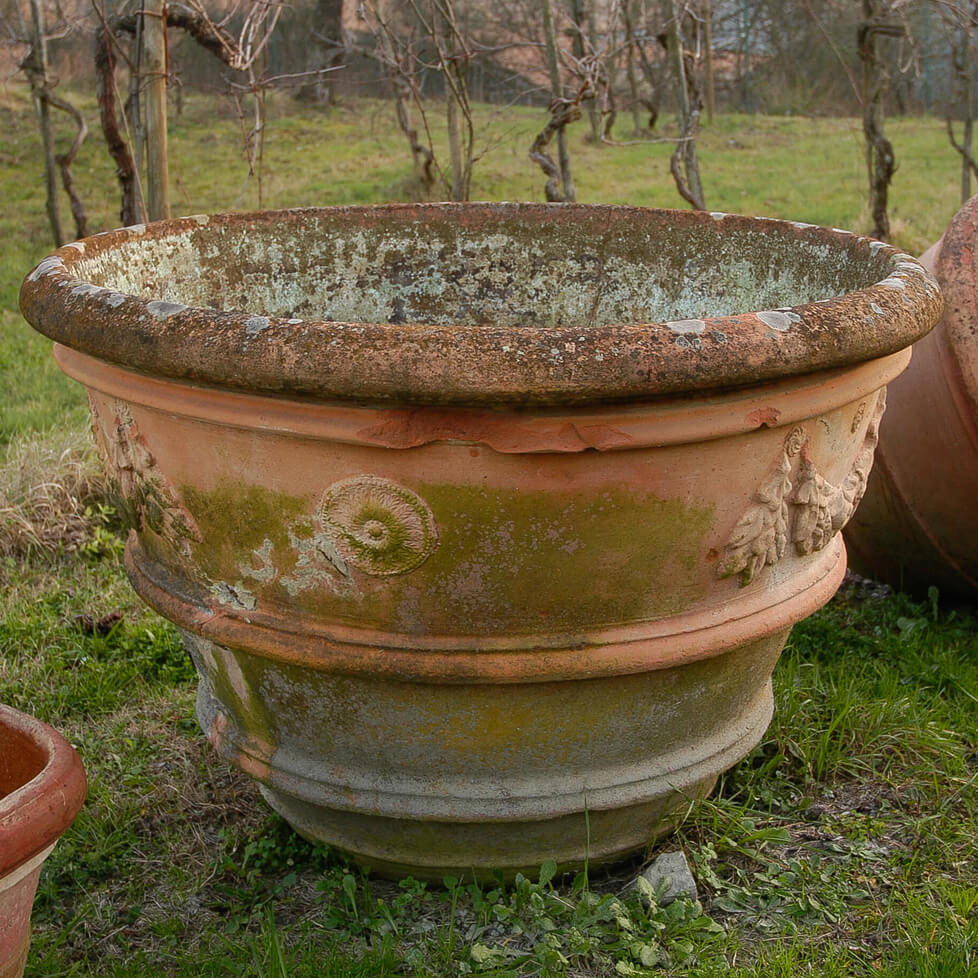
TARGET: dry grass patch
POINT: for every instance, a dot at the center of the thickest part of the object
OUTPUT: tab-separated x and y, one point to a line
53	495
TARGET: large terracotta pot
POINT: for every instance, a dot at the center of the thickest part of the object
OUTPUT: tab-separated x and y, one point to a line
485	524
42	787
918	525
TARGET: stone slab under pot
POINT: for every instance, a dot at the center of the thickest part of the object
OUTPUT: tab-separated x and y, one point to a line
485	524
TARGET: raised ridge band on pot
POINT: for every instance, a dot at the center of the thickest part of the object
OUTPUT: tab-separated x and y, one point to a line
480	303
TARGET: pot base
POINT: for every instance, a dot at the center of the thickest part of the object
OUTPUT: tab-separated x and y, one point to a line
498	771
395	848
17	891
636	763
16	900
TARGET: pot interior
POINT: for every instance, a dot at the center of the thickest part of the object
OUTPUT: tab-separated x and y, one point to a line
21	759
499	265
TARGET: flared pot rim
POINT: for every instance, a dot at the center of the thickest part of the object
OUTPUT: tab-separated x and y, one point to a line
463	364
35	813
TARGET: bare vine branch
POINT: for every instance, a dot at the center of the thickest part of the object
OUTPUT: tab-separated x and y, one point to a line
684	164
880	20
562	113
64	161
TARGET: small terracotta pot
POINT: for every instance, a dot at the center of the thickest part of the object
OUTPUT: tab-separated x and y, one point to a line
918	524
42	787
485	524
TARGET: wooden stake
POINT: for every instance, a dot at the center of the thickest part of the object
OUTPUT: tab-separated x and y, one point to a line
154	64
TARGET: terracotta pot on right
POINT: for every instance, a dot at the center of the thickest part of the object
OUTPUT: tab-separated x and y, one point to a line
42	787
917	525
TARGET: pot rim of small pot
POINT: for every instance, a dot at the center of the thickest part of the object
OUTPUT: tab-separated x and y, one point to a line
485	364
35	813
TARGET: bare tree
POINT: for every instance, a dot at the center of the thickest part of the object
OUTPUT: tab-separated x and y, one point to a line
684	164
418	39
608	101
960	21
106	46
36	67
153	17
403	34
881	19
240	51
706	18
329	50
396	53
628	19
559	188
639	34
584	41
440	20
591	85
38	73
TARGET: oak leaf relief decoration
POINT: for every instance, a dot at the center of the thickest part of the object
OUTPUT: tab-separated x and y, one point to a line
822	509
809	510
761	534
148	500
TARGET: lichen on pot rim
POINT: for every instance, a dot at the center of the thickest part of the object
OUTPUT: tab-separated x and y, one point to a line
480	303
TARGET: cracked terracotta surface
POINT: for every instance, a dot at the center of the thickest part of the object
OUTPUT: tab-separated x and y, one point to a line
485	524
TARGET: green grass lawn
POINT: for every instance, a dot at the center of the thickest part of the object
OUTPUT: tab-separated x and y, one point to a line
844	845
